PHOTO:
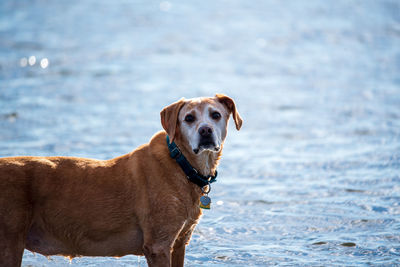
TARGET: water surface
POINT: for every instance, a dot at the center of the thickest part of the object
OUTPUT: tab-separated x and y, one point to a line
313	177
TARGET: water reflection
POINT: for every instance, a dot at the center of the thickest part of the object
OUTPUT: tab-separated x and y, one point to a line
44	63
32	60
317	83
23	62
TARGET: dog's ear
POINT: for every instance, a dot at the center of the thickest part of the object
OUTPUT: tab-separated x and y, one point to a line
230	104
169	118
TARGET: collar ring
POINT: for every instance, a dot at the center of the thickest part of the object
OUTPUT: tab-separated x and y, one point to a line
209	189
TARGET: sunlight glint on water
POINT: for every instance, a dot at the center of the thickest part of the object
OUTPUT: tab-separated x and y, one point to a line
313	177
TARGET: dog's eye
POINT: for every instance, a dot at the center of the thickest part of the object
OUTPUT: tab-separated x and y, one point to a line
189	118
216	115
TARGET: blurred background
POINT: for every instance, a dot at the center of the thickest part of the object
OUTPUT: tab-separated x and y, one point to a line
313	177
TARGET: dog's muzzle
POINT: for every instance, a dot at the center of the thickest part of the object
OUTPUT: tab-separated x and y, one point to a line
206	140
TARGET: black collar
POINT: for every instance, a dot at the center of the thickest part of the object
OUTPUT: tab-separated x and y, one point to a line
191	173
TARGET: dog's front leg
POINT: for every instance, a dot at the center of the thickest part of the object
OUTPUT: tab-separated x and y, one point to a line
178	255
157	254
163	240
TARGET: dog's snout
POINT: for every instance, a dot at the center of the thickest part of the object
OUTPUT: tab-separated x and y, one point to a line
205	131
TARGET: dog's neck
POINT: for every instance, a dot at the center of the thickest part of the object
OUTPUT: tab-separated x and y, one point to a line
205	162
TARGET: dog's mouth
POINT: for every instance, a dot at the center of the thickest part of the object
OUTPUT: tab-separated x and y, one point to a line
206	145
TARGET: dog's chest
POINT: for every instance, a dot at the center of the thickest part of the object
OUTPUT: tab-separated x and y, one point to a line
190	224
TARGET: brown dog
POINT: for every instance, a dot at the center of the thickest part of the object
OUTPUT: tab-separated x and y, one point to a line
141	203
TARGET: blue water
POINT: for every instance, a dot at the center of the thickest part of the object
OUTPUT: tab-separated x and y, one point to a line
313	177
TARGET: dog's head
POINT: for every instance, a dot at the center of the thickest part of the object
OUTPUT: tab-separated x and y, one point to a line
200	122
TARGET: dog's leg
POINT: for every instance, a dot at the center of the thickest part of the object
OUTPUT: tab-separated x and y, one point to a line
15	220
160	241
11	250
158	254
13	231
178	255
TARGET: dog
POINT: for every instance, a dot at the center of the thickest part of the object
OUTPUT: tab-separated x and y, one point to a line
146	202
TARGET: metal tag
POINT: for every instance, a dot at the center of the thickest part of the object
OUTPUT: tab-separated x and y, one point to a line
205	202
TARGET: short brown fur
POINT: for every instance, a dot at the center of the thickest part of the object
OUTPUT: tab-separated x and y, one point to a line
140	203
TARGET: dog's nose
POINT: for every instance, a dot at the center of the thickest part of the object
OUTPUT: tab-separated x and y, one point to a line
205	131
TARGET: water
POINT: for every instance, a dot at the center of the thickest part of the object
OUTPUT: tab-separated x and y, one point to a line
313	177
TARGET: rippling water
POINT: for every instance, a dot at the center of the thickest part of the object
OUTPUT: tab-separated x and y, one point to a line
313	177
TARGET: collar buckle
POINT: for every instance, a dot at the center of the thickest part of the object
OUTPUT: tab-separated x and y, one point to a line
175	152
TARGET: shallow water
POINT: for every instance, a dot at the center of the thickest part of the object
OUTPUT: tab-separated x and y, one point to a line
313	177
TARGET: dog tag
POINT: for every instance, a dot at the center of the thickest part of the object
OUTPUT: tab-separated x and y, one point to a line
205	202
